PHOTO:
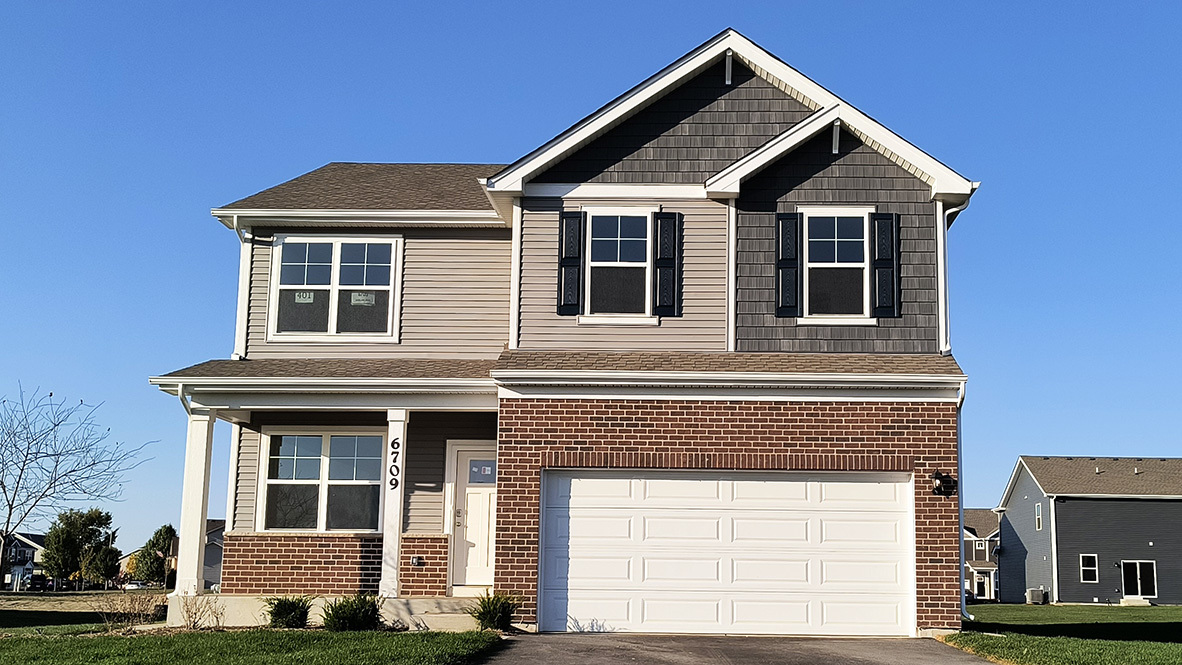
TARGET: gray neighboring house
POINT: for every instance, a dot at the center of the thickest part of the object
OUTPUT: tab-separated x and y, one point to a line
214	530
24	552
981	538
1092	530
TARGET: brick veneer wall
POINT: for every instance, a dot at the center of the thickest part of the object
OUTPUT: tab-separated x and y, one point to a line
316	564
713	434
430	579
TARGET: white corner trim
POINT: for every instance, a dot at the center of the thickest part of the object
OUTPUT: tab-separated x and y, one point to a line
835	321
245	257
942	328
1054	556
617	320
732	229
614	191
515	278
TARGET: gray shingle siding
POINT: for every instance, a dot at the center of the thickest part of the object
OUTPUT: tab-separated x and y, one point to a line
1025	561
1116	530
857	175
688	135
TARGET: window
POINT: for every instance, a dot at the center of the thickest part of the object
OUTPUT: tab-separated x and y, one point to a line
1089	568
1038	517
981	545
326	286
326	482
618	280
836	263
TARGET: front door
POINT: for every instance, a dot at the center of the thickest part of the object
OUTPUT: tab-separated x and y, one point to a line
473	519
1140	578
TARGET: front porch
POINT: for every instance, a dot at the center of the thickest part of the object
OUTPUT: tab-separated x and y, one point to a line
345	489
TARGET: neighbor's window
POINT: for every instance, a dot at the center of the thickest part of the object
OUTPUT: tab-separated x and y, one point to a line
981	544
1038	517
323	482
836	268
335	286
1089	568
618	270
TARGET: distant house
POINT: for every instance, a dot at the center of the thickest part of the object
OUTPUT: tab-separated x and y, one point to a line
24	552
214	529
1092	530
980	559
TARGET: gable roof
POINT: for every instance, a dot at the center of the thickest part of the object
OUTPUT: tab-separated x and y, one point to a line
981	522
1107	476
36	540
369	186
729	43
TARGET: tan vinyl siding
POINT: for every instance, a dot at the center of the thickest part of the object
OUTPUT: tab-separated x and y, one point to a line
455	296
702	326
246	479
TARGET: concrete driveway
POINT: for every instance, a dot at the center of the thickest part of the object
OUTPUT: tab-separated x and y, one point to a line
614	648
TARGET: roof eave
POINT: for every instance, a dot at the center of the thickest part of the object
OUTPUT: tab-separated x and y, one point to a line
359	217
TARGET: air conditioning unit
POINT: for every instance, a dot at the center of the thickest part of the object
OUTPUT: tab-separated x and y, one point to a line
1036	597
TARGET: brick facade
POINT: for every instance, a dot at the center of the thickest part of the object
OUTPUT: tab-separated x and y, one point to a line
315	564
430	579
690	434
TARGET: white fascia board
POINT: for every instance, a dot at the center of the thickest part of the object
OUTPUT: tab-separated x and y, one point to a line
727	393
320	384
1005	495
362	217
725	379
27	541
1117	496
614	191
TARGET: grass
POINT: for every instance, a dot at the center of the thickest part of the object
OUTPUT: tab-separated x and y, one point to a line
263	647
1073	634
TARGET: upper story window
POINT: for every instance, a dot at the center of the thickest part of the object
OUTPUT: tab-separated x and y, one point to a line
836	274
1038	517
323	482
981	545
618	272
330	287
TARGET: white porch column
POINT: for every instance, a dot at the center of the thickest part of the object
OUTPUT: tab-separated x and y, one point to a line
392	501
194	503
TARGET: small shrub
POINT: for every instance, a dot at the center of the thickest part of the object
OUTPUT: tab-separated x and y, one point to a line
289	611
495	611
359	612
120	610
203	611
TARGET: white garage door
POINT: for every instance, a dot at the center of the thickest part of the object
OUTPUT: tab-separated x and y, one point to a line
727	552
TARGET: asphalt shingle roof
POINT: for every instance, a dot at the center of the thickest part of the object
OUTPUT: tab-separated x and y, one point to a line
780	363
350	368
363	186
980	521
1132	476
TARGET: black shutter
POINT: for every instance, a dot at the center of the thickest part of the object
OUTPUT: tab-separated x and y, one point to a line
788	234
884	266
667	264
571	236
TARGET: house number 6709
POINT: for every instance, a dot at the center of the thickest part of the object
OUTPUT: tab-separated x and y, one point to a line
394	446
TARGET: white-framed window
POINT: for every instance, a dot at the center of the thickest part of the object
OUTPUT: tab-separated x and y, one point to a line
321	481
1038	517
619	262
331	287
981	545
1089	568
836	280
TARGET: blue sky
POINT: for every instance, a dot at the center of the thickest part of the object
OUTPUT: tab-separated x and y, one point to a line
121	125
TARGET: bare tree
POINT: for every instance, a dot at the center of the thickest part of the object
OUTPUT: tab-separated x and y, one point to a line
53	454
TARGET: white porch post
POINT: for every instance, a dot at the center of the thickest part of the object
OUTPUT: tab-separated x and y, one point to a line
393	491
194	503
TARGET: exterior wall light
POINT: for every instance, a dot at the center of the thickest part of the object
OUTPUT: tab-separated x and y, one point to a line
943	484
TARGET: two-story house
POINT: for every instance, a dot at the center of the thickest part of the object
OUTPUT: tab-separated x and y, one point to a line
981	539
683	368
23	552
1092	530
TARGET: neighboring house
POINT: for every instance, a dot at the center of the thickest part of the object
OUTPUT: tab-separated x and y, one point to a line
1092	530
683	368
24	553
212	569
980	558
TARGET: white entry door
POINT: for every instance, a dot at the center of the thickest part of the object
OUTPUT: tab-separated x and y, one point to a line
473	518
727	552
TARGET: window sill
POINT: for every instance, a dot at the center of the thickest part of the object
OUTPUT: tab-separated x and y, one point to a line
618	320
835	321
344	338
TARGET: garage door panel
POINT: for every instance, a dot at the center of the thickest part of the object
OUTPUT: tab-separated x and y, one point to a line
703	493
859	493
681	571
678	610
770	573
865	575
770	531
862	613
862	532
750	493
597	528
773	615
586	571
686	529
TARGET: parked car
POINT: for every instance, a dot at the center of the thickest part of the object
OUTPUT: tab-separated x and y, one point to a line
37	583
133	585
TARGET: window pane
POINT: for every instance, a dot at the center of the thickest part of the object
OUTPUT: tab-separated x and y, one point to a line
352	275
377	253
307	469
292	275
308	446
632	250
340	469
1089	575
604	250
835	290
822	228
283	446
369	446
605	227
281	469
291	506
363	311
319	252
302	311
482	472
633	227
821	251
352	252
368	469
319	275
850	251
342	446
295	252
1088	560
617	291
353	506
850	228
377	275
1148	583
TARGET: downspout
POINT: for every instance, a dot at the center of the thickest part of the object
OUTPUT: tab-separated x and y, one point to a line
180	393
964	607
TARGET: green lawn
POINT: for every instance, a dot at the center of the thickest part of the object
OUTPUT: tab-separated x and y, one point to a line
266	647
1073	634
